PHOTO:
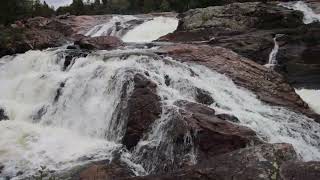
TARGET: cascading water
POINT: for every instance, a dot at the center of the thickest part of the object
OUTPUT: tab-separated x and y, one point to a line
116	26
273	55
152	30
309	15
61	117
125	28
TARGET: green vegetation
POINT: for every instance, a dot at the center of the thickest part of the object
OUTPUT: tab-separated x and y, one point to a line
12	10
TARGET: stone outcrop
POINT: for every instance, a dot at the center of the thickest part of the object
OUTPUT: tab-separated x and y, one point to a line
98	43
143	109
249	29
3	115
213	136
193	130
260	162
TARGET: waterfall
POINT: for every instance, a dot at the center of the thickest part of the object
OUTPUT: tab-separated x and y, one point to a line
116	26
273	55
127	28
152	30
309	15
61	118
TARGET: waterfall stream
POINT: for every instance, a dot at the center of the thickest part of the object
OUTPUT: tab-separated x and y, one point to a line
272	62
61	117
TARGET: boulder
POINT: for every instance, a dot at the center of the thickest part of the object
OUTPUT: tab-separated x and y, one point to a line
103	172
143	109
99	43
203	97
254	163
191	133
213	136
228	117
3	115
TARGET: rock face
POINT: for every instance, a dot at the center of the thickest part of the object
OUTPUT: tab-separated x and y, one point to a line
143	109
192	134
101	171
99	43
3	115
213	135
259	162
249	28
268	85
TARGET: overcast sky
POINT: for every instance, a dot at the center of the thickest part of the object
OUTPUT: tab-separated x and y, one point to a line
58	3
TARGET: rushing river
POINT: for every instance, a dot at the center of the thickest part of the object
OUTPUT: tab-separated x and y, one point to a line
61	117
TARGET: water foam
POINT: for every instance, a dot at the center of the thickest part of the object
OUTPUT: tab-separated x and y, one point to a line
152	30
116	26
43	127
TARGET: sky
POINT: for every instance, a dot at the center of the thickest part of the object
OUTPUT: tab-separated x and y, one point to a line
58	3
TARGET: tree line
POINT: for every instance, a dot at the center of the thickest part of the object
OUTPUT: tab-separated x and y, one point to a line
79	7
12	10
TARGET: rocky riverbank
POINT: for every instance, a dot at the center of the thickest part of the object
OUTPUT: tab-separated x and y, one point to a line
200	104
249	29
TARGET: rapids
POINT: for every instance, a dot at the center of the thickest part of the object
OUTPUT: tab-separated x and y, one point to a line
125	27
62	117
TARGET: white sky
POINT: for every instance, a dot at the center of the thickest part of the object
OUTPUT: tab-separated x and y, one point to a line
58	3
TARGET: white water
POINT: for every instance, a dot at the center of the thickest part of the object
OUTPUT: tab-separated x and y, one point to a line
309	15
152	30
114	27
312	97
273	55
148	31
78	126
73	128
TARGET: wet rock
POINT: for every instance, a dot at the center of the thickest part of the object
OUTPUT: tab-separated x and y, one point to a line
228	117
99	43
213	135
203	97
59	91
3	115
37	117
167	80
257	163
73	47
102	170
1	168
190	134
143	109
300	170
71	55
